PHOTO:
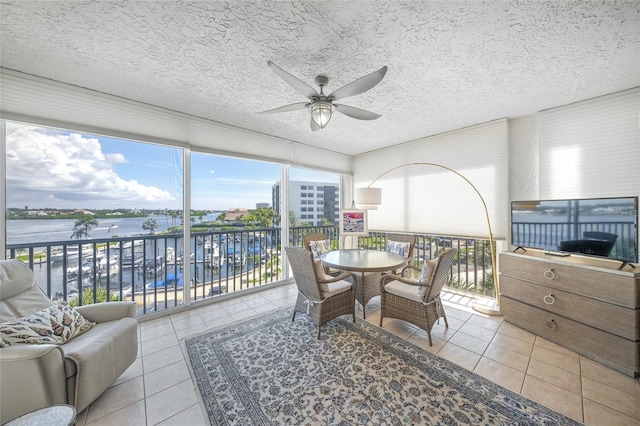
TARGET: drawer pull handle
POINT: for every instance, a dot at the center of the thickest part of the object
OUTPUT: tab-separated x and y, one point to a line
551	324
549	274
549	299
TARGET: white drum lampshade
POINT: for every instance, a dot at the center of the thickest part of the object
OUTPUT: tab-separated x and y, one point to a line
368	198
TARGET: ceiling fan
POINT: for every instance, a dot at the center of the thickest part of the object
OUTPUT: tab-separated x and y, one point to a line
322	106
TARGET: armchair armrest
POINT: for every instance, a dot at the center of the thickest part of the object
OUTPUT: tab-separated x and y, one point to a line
411	281
390	277
410	267
108	311
340	277
33	377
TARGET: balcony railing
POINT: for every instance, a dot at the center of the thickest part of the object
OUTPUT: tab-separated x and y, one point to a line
149	269
471	271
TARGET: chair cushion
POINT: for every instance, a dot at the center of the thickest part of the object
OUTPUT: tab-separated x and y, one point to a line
425	275
19	294
397	247
53	325
319	247
335	288
320	275
403	290
16	277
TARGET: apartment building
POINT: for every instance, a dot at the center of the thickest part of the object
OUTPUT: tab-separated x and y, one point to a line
310	202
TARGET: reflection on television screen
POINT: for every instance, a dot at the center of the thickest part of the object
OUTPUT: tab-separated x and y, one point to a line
603	227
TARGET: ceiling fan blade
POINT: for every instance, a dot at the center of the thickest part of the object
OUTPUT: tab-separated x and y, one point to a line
358	113
294	82
360	85
314	126
291	107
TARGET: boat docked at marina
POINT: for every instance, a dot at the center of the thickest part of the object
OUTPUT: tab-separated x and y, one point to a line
71	252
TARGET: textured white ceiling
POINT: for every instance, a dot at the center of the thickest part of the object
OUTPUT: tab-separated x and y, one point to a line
451	63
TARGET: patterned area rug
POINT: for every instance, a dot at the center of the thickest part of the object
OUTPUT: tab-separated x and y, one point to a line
270	371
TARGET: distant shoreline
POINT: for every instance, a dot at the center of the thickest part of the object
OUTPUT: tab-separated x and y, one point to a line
78	216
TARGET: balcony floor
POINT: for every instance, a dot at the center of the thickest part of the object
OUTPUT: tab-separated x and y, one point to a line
157	388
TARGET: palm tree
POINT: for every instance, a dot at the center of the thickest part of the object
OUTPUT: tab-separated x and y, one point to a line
150	225
263	217
82	227
293	221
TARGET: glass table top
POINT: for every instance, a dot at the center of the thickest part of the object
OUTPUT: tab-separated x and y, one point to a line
363	260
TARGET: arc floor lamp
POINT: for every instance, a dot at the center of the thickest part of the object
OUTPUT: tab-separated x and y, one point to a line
370	198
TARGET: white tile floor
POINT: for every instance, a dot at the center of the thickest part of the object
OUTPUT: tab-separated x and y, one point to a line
157	389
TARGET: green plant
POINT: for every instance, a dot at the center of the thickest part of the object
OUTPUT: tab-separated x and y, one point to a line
101	296
150	225
82	227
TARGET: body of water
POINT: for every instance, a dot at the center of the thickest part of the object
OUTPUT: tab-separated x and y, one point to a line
33	231
24	231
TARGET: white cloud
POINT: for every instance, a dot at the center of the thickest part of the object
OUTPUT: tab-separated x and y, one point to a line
48	168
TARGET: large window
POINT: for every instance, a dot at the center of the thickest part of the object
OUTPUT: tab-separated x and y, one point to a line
83	204
234	226
100	218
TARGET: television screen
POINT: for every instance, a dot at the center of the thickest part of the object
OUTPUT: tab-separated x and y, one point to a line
604	227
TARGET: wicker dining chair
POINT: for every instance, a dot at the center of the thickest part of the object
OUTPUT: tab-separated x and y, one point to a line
370	287
320	296
307	239
418	303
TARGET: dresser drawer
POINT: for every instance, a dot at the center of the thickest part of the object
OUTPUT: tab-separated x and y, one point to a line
608	285
616	352
602	315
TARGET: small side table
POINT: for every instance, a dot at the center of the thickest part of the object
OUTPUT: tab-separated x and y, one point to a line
56	415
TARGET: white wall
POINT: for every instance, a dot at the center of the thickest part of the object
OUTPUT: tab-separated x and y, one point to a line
523	158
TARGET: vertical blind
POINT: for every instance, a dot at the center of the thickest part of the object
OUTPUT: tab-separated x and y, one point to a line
591	148
432	199
39	101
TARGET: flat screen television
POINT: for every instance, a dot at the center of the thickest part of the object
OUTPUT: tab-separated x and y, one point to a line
602	227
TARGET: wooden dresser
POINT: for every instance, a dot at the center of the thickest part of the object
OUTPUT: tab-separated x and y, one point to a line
583	304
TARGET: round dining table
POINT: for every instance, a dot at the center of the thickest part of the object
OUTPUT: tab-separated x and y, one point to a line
363	261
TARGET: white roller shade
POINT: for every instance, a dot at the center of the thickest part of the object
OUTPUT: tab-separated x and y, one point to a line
432	199
39	101
591	148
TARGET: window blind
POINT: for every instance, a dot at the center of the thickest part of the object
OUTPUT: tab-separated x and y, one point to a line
591	148
39	101
431	199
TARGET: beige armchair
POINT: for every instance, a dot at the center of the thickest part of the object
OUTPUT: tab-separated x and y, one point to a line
414	301
34	376
320	296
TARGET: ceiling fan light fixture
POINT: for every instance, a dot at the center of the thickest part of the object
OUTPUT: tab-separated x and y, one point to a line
321	112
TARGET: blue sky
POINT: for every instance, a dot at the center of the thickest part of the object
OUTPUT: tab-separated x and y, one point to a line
60	169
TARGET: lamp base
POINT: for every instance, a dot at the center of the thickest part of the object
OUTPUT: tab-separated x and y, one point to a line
487	307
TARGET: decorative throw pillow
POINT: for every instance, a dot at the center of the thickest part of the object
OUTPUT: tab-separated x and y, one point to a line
425	275
319	247
54	325
398	248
